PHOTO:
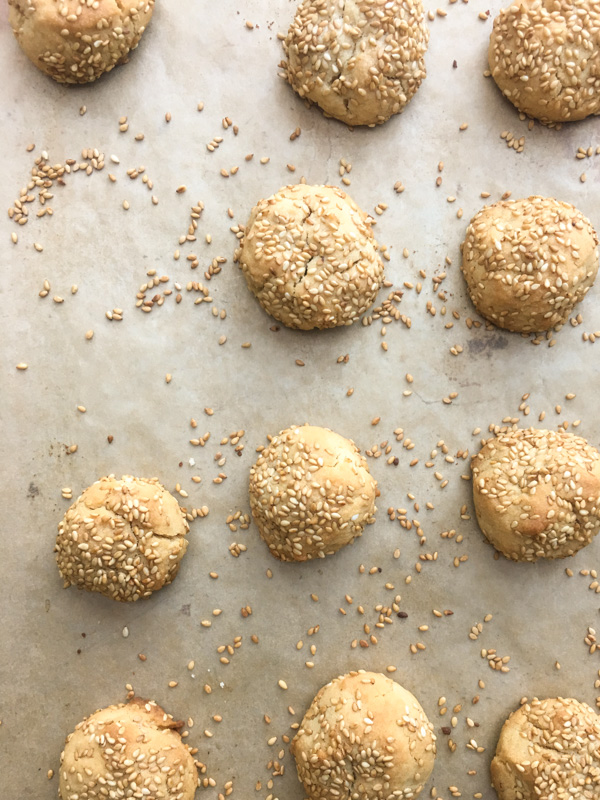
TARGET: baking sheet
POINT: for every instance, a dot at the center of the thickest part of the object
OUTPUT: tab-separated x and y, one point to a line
63	653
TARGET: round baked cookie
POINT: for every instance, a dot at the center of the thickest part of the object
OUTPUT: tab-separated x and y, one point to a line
537	493
360	61
527	263
131	750
311	493
545	57
310	257
549	749
76	41
364	737
123	538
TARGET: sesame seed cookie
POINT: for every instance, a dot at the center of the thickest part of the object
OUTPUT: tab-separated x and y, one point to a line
364	736
527	263
549	749
361	61
310	257
130	750
311	493
123	538
545	58
77	41
537	493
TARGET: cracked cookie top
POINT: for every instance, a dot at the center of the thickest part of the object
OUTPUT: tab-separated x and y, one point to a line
123	538
309	255
360	61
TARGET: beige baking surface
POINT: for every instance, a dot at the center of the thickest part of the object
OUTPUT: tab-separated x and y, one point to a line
50	675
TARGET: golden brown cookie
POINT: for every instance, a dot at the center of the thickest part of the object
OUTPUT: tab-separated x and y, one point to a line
549	749
127	751
537	493
76	41
364	736
527	263
311	493
123	538
545	57
310	257
360	61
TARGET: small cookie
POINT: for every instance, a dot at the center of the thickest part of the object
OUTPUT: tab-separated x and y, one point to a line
365	737
310	257
311	493
549	749
545	57
527	263
127	751
360	62
123	538
75	41
537	493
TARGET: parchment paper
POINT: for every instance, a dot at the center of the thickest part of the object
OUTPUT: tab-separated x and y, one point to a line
63	653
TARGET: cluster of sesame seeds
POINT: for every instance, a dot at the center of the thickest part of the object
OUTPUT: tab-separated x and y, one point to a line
92	40
549	748
590	640
496	662
309	255
360	63
238	519
537	493
528	262
344	171
195	215
133	173
310	493
545	58
43	178
477	629
123	538
587	573
116	315
587	152
226	123
147	304
517	144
